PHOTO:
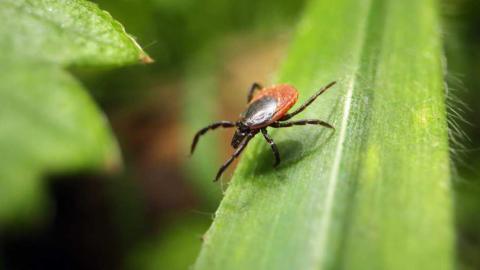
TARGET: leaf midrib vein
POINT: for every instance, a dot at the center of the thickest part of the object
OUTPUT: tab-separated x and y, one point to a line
332	183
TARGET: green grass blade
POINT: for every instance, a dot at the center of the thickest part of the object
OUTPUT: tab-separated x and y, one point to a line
373	195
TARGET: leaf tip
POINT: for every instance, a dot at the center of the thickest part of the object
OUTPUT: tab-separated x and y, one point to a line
145	59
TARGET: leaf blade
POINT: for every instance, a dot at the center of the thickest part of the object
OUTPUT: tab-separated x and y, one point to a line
65	132
65	32
298	216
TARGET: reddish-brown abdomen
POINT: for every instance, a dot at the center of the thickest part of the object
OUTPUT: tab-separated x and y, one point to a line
285	95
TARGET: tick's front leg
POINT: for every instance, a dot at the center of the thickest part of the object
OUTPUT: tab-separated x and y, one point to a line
237	152
225	124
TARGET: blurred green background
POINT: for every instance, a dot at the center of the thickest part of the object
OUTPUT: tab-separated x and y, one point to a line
152	214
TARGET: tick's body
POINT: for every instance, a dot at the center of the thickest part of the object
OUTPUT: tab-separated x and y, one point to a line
272	103
266	107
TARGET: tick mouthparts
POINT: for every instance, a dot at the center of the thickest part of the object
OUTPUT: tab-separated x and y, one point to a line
237	139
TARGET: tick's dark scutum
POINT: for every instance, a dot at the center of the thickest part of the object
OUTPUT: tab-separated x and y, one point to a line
260	112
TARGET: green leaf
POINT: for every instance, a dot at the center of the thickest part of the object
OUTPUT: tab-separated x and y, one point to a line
66	32
374	194
48	123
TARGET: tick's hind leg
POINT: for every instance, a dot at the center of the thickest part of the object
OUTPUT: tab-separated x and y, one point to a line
272	145
237	152
309	101
254	87
301	122
225	124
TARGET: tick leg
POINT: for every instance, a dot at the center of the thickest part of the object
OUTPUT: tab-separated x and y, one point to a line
225	124
309	101
273	145
235	154
301	122
254	87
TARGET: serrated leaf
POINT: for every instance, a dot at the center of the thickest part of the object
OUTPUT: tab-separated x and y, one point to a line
66	32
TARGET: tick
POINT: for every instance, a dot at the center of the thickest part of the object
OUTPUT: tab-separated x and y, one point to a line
267	107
